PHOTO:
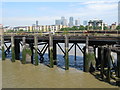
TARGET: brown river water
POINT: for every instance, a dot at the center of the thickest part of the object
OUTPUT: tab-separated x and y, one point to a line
17	75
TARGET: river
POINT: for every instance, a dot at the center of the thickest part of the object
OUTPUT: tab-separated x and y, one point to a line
17	75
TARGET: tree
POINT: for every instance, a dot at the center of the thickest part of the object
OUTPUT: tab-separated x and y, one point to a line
105	28
118	27
81	27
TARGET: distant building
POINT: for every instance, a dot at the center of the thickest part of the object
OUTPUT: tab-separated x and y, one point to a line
96	23
57	22
71	24
63	21
119	13
113	26
85	23
77	22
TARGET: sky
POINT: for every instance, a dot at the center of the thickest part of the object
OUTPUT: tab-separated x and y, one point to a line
24	12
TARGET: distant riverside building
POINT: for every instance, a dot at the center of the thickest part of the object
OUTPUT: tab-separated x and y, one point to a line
113	26
57	22
71	24
63	21
119	12
85	23
77	22
96	23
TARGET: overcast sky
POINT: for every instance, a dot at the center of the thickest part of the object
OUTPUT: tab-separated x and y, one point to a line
26	13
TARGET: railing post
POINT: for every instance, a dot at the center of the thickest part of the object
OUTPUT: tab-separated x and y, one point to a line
66	52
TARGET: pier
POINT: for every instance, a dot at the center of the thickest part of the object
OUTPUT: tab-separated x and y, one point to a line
105	44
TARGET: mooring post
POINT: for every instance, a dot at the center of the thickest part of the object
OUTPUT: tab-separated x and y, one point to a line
118	67
31	47
109	64
12	49
51	50
2	46
102	62
55	52
66	52
17	49
36	48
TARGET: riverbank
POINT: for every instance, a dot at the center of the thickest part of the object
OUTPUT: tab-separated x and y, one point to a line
17	75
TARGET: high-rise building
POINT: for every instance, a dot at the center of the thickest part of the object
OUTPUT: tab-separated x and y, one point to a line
77	22
85	23
63	21
71	22
119	12
57	22
36	23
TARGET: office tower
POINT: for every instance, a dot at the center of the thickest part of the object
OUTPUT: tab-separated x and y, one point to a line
57	22
63	21
71	21
36	23
77	22
119	12
85	23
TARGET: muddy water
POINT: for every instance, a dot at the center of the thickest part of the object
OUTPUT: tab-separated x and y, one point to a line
17	75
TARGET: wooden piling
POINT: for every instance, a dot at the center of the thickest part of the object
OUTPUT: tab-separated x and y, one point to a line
17	49
51	50
31	47
118	67
109	64
36	48
66	52
55	53
12	49
2	46
102	63
75	52
85	62
23	51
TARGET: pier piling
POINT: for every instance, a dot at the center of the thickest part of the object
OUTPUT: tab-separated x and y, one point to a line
36	48
118	67
66	53
2	46
17	49
51	50
55	53
12	49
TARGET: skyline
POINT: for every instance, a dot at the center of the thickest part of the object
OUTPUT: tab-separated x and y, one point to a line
26	13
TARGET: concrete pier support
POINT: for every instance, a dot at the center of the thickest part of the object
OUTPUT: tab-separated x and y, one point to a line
51	50
55	53
2	46
12	49
23	51
36	48
17	49
66	53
